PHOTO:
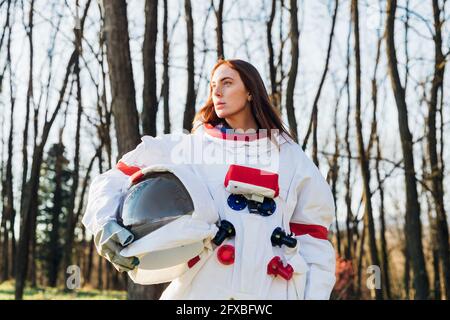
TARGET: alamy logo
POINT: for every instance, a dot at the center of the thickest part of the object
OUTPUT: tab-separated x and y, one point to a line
374	280
74	280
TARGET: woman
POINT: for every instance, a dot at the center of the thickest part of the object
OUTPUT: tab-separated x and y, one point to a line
262	184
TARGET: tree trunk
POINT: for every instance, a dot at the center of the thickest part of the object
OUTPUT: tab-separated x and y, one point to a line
384	250
4	272
70	227
166	81
123	101
359	263
407	273
29	98
434	244
436	174
365	172
29	32
272	68
32	267
8	200
413	230
189	111
294	35
101	260
4	262
90	261
104	112
280	69
348	192
150	99
219	29
335	167
374	138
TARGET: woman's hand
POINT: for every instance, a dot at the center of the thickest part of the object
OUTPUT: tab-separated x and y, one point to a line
110	240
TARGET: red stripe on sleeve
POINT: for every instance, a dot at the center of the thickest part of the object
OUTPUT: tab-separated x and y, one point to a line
313	230
137	177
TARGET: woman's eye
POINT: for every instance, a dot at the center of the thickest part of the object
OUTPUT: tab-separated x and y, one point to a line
227	83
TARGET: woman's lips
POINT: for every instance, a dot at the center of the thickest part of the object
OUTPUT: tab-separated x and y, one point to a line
220	105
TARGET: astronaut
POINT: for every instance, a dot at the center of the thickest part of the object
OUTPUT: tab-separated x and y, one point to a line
255	225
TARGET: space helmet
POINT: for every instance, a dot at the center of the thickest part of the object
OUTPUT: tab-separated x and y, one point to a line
172	215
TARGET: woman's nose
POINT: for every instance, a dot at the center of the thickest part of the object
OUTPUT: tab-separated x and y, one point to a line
217	91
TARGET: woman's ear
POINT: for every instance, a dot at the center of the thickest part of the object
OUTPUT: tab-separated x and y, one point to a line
249	98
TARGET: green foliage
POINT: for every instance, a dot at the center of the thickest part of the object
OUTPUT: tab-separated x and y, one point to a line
49	250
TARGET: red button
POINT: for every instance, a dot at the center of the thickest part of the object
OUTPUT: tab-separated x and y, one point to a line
225	254
276	267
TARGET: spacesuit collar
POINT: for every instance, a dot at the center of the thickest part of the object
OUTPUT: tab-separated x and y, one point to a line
222	132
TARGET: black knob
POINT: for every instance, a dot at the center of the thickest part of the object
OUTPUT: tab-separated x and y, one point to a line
279	237
226	230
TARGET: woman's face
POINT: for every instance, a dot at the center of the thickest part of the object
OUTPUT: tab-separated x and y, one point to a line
229	94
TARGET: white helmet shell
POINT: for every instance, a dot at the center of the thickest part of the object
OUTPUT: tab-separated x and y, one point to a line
177	238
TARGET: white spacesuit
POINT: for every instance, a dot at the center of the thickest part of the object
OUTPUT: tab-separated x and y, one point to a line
274	197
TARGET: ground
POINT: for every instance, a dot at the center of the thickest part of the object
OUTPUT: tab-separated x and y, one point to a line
47	293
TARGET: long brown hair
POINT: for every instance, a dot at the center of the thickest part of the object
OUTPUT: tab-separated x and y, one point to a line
266	115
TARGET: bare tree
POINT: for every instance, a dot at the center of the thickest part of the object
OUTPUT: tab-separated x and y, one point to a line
272	68
359	259
71	223
29	204
315	110
436	172
89	261
166	82
123	103
436	292
407	266
348	193
413	230
100	259
279	67
189	111
364	164
333	174
219	28
104	110
8	212
374	138
384	250
150	98
30	96
294	35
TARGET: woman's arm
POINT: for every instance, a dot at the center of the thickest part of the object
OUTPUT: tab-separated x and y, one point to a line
313	214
